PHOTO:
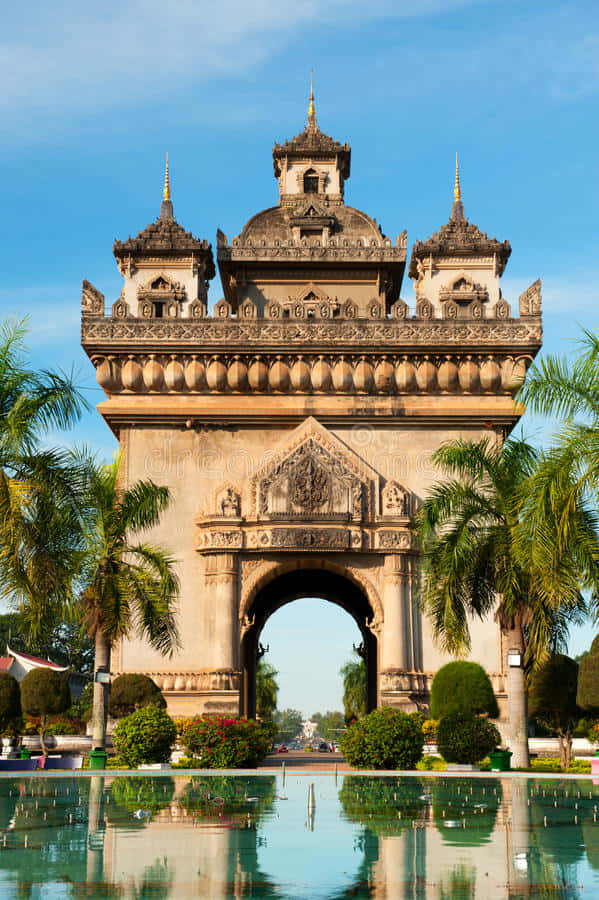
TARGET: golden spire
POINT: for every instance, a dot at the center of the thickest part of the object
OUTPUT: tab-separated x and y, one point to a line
311	109
457	194
167	186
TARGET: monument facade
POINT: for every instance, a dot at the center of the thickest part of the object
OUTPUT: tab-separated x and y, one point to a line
295	425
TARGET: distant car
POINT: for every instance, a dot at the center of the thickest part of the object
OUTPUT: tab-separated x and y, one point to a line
323	747
282	749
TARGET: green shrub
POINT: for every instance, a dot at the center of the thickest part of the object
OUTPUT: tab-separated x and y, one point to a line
587	696
429	730
386	738
222	743
552	699
130	692
146	736
10	703
44	692
462	687
431	764
464	738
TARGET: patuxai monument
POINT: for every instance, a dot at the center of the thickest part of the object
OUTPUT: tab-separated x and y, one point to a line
295	423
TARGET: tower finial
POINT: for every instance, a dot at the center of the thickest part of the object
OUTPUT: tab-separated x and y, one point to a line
167	186
311	108
457	193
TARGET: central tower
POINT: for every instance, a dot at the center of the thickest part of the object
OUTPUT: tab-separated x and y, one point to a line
296	424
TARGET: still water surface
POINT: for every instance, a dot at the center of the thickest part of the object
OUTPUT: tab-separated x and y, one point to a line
225	837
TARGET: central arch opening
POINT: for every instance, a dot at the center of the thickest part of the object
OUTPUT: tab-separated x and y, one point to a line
294	585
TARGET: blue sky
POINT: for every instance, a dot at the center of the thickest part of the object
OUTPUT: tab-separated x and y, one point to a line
93	97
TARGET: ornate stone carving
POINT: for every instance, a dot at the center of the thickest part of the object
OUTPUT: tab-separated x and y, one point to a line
393	540
400	309
424	309
310	336
197	310
247	310
92	301
313	475
529	303
222	310
228	503
310	485
120	309
396	500
502	309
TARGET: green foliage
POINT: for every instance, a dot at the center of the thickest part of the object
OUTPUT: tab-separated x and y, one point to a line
462	686
148	794
354	687
380	801
129	692
384	739
331	725
266	689
431	764
65	725
222	743
45	692
145	736
66	643
82	708
289	724
429	730
464	738
10	703
588	679
552	692
224	798
553	764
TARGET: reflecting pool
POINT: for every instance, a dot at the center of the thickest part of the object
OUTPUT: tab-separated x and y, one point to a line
227	836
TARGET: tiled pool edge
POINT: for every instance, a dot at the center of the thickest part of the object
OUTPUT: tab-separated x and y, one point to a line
290	773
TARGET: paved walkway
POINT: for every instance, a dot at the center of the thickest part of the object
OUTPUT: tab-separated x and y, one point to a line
298	759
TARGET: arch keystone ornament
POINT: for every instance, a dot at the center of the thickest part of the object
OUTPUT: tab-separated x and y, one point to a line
301	416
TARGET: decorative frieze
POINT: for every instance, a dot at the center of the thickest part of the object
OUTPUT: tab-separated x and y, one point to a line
325	373
204	680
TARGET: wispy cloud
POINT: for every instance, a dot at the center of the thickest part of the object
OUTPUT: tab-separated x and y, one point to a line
75	55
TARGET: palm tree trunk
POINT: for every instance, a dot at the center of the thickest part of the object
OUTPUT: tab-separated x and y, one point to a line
517	699
100	705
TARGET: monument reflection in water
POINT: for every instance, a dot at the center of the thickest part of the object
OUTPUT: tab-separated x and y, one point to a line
238	836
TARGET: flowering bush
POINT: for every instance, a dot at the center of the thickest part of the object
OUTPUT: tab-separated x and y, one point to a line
384	739
222	743
146	736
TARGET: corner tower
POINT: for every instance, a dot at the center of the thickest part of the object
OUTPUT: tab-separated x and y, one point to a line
295	425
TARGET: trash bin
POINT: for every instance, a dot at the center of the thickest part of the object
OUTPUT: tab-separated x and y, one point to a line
25	753
500	760
97	758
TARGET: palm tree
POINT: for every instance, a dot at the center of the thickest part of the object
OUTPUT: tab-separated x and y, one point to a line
569	390
38	487
127	585
480	555
266	689
354	686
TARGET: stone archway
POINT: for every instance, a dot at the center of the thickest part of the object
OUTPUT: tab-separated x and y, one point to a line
310	580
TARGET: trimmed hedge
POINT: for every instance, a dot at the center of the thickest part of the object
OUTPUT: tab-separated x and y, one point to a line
129	692
10	703
587	695
462	686
464	738
45	692
146	736
386	738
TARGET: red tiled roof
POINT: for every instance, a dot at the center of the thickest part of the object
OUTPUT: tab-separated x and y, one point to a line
36	659
5	663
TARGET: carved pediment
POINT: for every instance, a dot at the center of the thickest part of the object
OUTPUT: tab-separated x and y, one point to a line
314	476
462	288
